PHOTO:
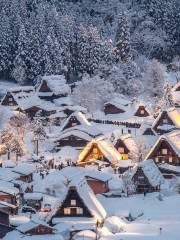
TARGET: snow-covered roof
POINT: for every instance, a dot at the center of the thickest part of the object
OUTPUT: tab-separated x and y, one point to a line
170	167
126	139
173	114
105	146
33	196
72	172
66	153
84	124
57	84
74	132
8	188
24	168
173	138
21	89
23	228
120	102
7	174
5	204
150	170
63	101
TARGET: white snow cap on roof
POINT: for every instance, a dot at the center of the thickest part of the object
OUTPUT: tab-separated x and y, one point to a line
173	138
152	172
57	84
89	199
67	153
105	146
24	168
30	225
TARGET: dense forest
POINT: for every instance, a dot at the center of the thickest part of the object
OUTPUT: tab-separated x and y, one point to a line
125	42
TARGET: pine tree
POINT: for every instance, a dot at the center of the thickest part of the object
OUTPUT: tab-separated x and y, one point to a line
20	63
123	49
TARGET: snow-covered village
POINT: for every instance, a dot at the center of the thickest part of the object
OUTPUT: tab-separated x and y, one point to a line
90	120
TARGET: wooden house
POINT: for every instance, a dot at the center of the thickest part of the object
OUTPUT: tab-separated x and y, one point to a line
8	208
116	106
4	224
53	87
169	171
74	138
25	172
124	144
35	228
146	177
140	109
99	151
33	200
8	193
97	180
13	96
167	121
78	203
166	149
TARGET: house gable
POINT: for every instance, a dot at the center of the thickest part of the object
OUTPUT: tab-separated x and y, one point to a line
163	120
73	206
148	132
141	182
9	100
40	230
112	109
73	121
44	87
141	112
72	141
164	153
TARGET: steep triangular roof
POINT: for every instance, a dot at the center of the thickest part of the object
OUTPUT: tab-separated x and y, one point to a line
173	138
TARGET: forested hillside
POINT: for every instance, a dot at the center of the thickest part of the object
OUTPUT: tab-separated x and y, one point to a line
126	42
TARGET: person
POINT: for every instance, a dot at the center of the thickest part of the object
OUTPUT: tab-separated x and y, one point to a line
160	230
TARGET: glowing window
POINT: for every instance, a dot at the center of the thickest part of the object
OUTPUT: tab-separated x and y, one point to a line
67	211
74	124
79	211
164	151
170	159
142	111
121	150
95	150
157	159
73	202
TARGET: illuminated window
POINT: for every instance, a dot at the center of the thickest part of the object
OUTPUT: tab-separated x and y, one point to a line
121	150
170	159
95	150
73	202
79	211
67	211
164	151
142	111
157	159
74	124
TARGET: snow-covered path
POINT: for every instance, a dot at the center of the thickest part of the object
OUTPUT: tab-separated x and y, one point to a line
156	214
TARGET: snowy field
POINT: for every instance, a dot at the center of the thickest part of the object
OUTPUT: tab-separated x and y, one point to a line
153	215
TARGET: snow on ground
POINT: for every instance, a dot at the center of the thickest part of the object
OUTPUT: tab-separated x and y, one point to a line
156	214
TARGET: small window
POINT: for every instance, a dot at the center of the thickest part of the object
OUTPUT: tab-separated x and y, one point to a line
121	150
129	131
10	99
79	211
165	120
67	211
164	151
170	159
142	111
73	202
74	124
95	150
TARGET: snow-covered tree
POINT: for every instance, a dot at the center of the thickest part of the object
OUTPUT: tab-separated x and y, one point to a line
123	49
93	92
154	79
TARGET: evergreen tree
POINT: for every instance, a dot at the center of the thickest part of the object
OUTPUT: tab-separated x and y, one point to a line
123	49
